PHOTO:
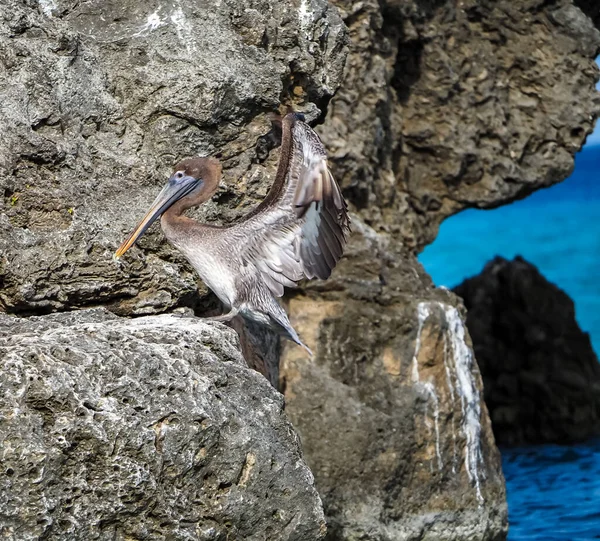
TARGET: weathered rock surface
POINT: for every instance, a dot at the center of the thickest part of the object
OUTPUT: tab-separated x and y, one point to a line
151	428
540	373
443	106
99	99
446	106
390	410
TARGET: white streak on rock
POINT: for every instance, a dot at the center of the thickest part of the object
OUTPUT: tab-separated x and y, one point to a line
47	7
154	21
432	395
422	314
183	29
305	16
427	388
450	384
464	364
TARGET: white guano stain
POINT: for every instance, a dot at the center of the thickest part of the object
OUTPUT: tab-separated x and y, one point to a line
177	18
459	365
470	400
47	7
183	29
305	16
422	315
429	389
153	22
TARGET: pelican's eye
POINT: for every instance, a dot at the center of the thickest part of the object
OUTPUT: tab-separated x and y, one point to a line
179	174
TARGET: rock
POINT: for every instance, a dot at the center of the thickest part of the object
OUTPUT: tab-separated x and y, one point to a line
390	409
550	391
591	9
446	106
442	107
150	428
99	100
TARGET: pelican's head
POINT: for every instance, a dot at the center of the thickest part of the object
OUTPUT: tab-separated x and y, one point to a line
194	180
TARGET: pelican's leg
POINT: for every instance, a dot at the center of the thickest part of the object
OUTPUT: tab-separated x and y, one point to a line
226	317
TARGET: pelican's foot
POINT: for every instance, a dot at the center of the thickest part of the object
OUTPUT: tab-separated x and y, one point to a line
225	317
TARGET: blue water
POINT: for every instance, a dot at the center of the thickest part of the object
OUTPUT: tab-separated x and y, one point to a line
553	491
556	229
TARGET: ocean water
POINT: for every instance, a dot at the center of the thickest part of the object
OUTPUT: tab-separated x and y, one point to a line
557	229
553	491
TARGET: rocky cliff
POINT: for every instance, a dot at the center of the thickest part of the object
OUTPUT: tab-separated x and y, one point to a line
426	107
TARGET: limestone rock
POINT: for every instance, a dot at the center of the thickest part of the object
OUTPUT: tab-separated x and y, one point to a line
446	106
390	410
540	373
150	428
98	100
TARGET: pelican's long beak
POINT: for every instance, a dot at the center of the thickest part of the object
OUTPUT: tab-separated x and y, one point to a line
175	189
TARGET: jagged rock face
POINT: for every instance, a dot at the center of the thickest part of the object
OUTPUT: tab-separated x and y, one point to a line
442	107
151	428
540	373
98	100
390	410
591	9
446	106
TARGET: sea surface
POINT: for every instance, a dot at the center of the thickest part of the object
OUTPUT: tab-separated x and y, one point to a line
553	491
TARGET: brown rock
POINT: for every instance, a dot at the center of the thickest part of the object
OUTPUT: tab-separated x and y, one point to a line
390	409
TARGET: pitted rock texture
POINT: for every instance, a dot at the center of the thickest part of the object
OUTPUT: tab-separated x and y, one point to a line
98	101
449	105
151	428
390	410
541	375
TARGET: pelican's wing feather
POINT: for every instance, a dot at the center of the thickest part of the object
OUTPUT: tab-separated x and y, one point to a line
300	229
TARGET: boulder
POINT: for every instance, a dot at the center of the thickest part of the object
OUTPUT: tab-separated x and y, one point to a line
147	428
541	376
443	106
447	106
390	410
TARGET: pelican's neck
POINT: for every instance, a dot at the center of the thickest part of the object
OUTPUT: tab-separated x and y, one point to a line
177	226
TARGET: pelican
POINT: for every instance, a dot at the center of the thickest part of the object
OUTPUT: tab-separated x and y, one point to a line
298	231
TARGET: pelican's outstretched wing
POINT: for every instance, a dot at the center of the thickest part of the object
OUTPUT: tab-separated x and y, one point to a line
300	229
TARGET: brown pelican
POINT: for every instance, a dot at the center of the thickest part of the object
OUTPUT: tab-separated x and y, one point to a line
298	231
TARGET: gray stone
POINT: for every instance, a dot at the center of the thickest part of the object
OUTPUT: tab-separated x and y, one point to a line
98	100
440	106
149	428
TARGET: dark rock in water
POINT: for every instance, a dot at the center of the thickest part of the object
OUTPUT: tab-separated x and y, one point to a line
148	428
541	376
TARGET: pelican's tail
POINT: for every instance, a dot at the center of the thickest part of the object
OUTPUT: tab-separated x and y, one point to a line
282	325
292	335
276	318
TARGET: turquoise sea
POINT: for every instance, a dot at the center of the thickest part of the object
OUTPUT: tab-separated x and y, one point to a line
553	491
